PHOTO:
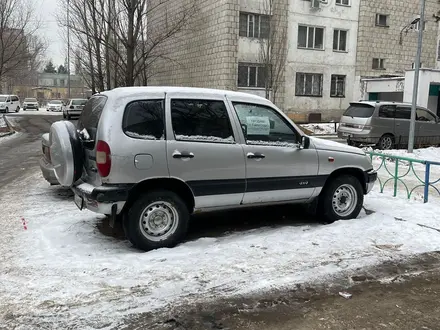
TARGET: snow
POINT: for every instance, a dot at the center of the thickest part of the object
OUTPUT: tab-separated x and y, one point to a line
2	122
272	143
64	271
322	129
142	136
229	139
431	153
9	137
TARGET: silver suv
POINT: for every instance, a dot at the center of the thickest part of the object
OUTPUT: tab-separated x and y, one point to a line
152	156
386	124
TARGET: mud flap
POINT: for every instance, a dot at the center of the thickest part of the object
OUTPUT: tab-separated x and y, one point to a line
113	216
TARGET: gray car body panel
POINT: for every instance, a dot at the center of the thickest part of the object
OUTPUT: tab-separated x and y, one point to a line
220	175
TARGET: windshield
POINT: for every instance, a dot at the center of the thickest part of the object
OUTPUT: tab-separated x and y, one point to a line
2	98
30	100
359	110
55	102
79	102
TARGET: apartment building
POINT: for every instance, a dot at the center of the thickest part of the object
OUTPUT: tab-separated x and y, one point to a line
321	55
387	43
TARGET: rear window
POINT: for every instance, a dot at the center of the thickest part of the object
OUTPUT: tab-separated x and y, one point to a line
79	102
30	100
145	120
359	110
91	114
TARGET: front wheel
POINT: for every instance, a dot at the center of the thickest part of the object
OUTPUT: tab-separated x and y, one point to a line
156	220
341	199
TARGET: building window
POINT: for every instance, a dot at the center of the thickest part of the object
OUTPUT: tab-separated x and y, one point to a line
381	20
378	64
251	75
340	40
337	87
343	2
310	37
254	26
308	84
438	51
413	65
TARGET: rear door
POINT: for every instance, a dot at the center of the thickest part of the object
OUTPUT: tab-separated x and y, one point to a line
427	128
401	124
203	150
89	120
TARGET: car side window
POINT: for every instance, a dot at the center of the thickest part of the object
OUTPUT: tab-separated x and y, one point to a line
8	99
423	115
145	120
403	113
387	111
264	126
201	121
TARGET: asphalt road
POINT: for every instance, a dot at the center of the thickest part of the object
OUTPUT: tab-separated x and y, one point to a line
22	153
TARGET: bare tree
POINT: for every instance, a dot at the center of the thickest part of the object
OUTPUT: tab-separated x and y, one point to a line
273	49
113	33
20	48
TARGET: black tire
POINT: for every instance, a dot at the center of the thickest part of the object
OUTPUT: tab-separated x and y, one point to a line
386	142
326	206
139	237
17	110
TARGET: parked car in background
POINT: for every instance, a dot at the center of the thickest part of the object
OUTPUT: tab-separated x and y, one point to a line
30	103
386	125
74	108
54	105
155	155
9	103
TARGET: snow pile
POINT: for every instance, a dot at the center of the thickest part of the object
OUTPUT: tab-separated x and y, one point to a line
2	122
431	153
322	129
64	267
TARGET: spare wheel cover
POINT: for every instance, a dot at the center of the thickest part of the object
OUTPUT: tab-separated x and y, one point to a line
62	150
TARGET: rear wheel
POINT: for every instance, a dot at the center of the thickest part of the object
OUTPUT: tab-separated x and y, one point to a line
156	220
341	199
386	142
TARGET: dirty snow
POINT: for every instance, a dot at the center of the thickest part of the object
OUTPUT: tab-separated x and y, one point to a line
64	271
8	137
2	122
229	139
322	129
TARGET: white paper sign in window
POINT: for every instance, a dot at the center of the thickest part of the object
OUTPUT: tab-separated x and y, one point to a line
258	125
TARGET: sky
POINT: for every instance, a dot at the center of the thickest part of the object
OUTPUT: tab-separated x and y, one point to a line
47	9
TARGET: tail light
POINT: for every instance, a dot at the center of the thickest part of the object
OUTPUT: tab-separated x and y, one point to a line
103	158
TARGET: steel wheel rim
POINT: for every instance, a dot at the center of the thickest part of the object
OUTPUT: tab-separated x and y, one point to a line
344	200
158	221
386	143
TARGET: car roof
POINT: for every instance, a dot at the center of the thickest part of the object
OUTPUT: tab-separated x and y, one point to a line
131	91
373	103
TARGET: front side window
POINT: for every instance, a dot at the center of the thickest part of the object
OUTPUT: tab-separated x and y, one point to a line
337	87
340	40
264	126
145	120
308	84
251	75
310	37
423	115
254	25
201	121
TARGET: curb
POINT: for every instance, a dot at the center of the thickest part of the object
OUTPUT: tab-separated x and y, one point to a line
8	123
7	134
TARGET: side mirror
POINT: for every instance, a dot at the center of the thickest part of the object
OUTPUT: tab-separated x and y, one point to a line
305	142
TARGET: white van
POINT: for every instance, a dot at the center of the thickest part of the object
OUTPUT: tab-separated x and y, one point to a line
9	103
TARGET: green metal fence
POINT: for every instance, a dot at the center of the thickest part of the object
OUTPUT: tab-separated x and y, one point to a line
397	169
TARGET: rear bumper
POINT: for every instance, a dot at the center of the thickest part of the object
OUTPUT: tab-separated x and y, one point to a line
360	137
370	179
102	199
48	171
30	107
74	112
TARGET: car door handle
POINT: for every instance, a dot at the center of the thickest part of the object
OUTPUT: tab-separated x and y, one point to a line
251	155
180	155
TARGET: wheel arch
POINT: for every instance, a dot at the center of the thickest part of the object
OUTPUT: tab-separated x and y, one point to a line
172	184
354	171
